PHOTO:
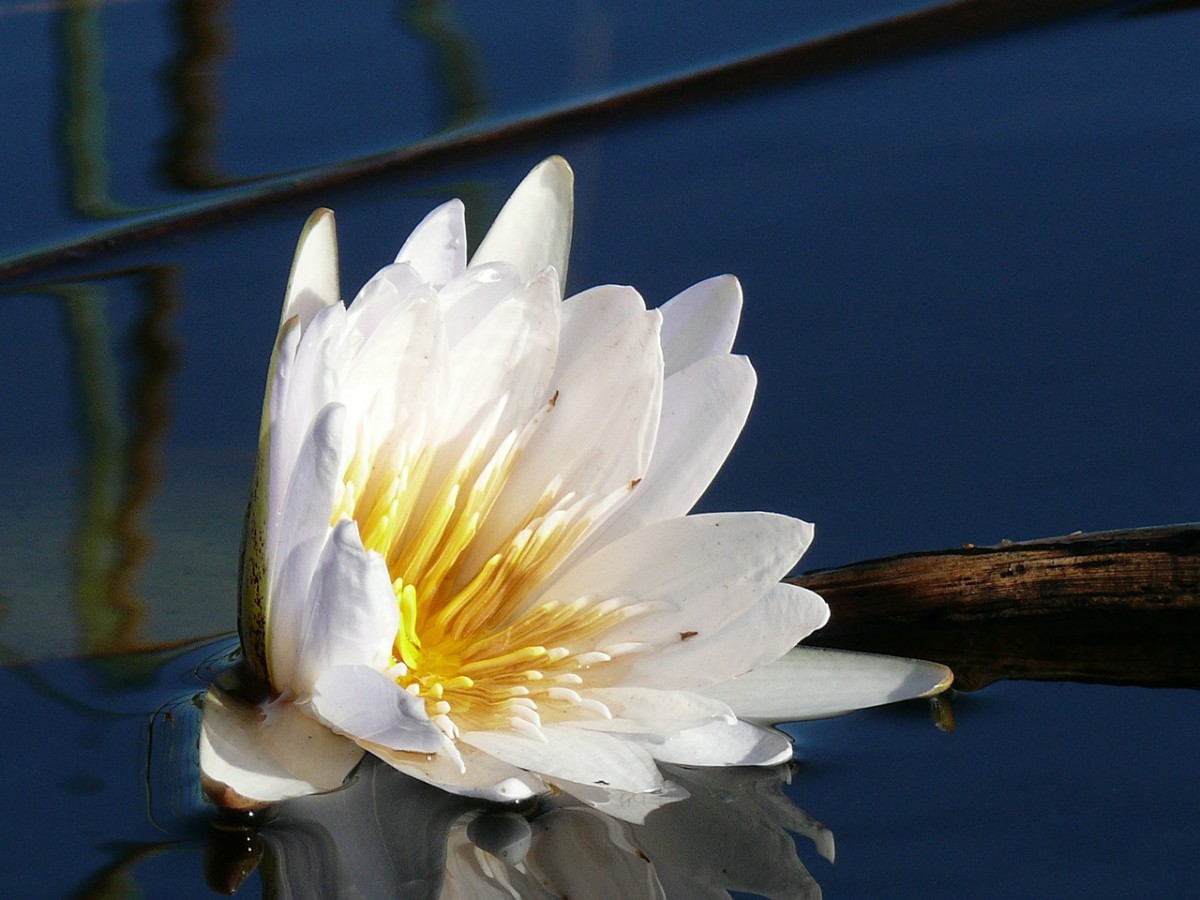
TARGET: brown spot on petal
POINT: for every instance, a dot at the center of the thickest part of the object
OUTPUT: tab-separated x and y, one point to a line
684	635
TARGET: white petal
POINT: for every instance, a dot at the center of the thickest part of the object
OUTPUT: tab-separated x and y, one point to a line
533	230
392	286
366	705
785	615
590	315
308	494
294	542
650	710
704	408
598	435
507	359
472	295
308	384
397	379
811	683
483	776
437	248
350	617
573	755
701	321
707	570
313	282
254	755
721	743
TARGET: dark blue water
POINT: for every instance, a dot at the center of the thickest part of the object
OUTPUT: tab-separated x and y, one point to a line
1060	790
971	299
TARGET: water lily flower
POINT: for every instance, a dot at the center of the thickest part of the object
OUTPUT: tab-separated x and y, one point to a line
468	550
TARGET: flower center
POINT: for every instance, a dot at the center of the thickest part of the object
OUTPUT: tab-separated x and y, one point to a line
470	642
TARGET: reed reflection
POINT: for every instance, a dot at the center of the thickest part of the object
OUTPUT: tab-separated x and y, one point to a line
85	112
121	443
193	78
457	69
389	835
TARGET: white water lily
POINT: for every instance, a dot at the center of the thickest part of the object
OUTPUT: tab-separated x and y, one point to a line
468	549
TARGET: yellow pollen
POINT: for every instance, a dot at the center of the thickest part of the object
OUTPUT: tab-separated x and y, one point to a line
468	642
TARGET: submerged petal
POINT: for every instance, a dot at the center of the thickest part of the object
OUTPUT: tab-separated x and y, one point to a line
251	755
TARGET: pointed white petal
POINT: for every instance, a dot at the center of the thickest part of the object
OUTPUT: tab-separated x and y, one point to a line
295	540
313	283
392	286
250	756
483	776
643	710
573	755
350	615
597	434
706	570
468	299
785	615
533	230
811	683
437	248
308	495
366	705
721	743
704	408
397	379
701	321
313	377
507	359
590	315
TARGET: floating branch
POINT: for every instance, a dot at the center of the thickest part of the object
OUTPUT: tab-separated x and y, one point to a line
1118	607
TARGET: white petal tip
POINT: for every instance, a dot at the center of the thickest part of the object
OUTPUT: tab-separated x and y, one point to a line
313	282
814	683
533	230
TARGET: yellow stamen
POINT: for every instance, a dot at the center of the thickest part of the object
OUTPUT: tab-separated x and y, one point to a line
469	642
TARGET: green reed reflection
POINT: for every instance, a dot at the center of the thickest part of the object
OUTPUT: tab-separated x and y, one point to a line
122	450
85	111
458	69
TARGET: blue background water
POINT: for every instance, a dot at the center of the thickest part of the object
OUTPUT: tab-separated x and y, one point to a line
971	288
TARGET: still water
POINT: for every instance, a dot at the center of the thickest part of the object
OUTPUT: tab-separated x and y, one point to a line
1061	790
971	288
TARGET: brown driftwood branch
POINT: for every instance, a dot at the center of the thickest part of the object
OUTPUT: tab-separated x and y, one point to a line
1117	607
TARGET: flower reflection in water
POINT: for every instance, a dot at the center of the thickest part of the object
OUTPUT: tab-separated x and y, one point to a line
387	834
